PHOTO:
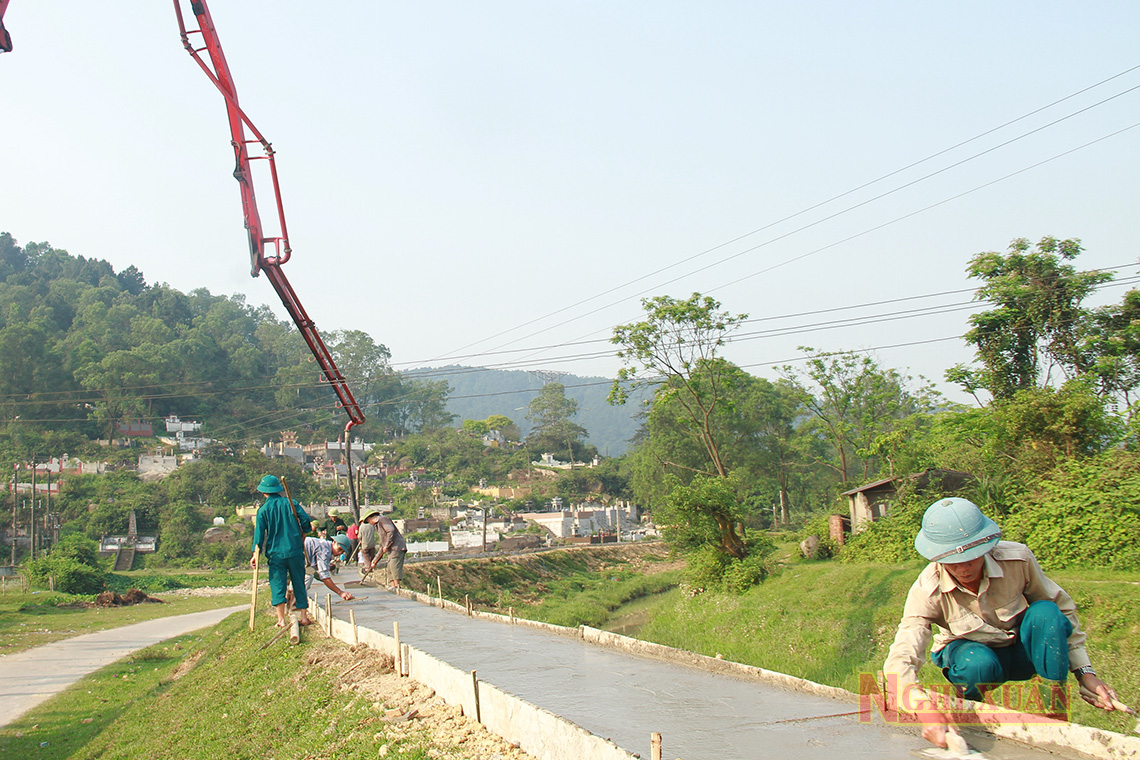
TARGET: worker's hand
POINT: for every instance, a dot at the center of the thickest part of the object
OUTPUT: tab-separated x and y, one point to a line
1096	692
934	724
346	596
253	561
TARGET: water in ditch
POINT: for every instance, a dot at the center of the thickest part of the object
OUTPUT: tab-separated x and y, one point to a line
625	697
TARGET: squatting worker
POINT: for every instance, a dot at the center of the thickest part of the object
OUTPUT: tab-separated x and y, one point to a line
1000	618
390	542
277	530
319	554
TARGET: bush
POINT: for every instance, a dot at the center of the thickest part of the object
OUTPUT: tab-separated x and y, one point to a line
710	569
65	574
72	567
1083	514
820	527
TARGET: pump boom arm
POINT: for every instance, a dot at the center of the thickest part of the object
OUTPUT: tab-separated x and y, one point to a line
266	253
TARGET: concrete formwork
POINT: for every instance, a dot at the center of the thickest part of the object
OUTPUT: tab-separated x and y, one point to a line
539	732
799	719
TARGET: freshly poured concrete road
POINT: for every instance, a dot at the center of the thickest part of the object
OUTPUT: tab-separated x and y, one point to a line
624	697
30	677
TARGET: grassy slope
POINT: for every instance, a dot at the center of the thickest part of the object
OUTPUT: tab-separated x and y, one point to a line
564	587
214	693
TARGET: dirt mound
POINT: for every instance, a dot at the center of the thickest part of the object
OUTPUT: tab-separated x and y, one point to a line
409	708
112	599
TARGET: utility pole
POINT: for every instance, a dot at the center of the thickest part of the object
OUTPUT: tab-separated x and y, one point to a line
351	486
32	518
15	501
47	510
484	530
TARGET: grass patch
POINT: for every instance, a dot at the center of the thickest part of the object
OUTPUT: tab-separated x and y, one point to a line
215	693
36	618
153	582
585	600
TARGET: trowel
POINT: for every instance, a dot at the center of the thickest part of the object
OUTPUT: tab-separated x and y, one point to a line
353	599
956	749
1117	705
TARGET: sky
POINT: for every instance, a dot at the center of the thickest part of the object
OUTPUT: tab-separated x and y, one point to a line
501	183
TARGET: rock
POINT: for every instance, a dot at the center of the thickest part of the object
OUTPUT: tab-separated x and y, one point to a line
809	547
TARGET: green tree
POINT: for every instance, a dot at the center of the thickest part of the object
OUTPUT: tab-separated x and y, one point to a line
1037	321
553	429
675	350
852	402
475	428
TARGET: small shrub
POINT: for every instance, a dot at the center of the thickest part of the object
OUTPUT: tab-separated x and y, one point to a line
65	574
820	527
708	568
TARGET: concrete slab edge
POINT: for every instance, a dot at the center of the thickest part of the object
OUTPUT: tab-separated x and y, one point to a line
713	664
540	732
1005	724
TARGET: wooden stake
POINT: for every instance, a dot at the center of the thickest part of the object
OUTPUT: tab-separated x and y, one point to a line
399	653
253	591
512	609
478	711
352	619
467	602
655	745
439	588
294	630
328	612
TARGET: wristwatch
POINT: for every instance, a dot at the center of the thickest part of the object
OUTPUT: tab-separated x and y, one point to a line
1084	670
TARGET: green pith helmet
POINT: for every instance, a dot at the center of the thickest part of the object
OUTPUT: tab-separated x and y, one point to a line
955	530
270	484
368	514
344	544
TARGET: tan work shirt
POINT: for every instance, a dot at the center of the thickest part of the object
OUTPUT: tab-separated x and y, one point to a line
1011	580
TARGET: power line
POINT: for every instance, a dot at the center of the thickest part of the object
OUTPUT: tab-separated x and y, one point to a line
818	205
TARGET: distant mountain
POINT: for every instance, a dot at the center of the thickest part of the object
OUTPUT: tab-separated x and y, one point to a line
477	393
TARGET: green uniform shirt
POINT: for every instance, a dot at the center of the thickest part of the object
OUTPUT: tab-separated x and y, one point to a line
276	530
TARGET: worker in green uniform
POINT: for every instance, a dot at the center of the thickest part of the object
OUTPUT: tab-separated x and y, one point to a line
277	530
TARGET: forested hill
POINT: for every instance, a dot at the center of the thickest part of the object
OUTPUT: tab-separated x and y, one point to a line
84	349
477	393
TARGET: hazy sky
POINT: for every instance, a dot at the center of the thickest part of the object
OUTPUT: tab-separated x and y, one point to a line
462	179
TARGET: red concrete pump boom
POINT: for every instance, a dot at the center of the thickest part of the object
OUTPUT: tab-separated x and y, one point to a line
259	243
260	261
5	39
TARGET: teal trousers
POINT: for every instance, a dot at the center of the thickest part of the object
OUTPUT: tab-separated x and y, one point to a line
1040	648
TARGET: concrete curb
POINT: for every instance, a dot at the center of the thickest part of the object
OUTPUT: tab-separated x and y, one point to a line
537	731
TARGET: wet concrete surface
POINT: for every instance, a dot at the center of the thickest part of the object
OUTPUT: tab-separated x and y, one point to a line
626	697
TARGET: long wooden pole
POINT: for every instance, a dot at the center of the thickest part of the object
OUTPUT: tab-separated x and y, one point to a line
256	565
253	591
